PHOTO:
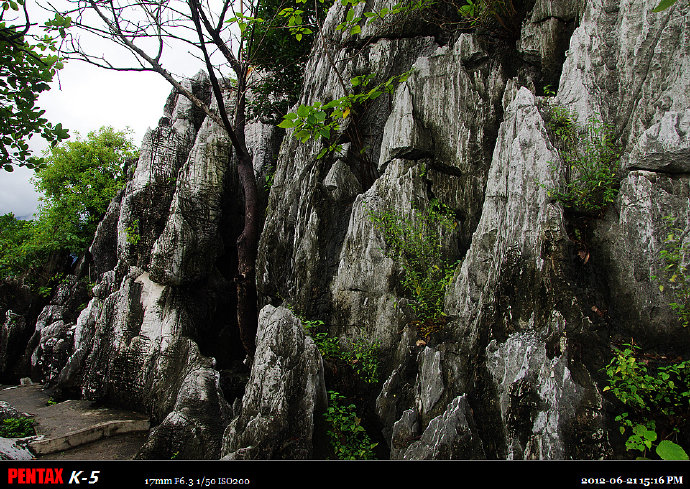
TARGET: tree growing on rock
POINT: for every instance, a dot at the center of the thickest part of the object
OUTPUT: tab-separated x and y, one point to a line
230	39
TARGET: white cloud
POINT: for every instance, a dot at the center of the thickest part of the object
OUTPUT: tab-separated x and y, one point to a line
17	194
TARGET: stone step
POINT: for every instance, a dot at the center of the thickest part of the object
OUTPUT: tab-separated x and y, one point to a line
65	425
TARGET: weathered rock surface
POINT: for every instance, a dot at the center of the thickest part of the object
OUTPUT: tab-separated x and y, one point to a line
53	337
467	129
14	449
159	333
284	397
451	435
19	308
539	295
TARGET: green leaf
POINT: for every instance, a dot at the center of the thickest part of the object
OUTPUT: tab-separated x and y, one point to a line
287	124
302	111
663	5
668	450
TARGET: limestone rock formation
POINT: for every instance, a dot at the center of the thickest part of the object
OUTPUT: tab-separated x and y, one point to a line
538	298
527	332
285	394
158	333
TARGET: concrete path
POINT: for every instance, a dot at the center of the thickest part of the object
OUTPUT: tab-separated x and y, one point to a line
101	433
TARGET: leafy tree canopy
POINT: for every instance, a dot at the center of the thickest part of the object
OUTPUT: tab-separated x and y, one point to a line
13	234
78	181
28	63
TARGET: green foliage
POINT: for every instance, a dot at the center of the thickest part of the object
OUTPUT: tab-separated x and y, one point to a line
592	159
549	91
322	121
667	450
416	244
642	437
479	12
360	354
676	269
78	181
14	233
363	357
471	10
28	63
328	346
663	5
132	232
352	22
298	27
281	50
17	427
268	181
665	391
653	396
348	438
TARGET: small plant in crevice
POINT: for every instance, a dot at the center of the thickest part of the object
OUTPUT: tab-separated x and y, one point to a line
416	244
44	291
328	346
549	91
675	255
347	437
132	233
657	399
361	355
591	157
268	181
479	12
17	428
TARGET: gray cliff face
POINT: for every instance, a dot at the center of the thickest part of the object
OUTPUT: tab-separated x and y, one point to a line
158	332
515	373
527	336
285	394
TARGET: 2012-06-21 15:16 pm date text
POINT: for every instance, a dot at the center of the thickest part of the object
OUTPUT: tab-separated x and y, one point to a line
670	480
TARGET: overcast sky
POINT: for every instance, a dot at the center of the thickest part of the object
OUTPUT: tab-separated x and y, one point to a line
88	99
83	99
